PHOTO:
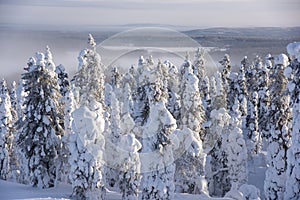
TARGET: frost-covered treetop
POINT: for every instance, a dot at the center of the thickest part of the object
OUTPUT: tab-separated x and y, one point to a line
3	86
92	42
268	62
48	54
281	59
226	60
40	59
48	60
293	50
199	53
141	62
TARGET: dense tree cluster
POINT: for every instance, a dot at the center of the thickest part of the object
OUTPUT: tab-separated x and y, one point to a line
154	130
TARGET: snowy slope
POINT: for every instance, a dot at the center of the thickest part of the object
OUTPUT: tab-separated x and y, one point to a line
10	191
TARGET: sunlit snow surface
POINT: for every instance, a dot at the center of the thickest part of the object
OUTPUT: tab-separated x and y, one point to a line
10	191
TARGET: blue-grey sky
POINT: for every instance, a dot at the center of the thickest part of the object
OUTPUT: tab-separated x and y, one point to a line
199	13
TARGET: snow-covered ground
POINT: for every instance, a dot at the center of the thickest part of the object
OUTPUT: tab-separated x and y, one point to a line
10	190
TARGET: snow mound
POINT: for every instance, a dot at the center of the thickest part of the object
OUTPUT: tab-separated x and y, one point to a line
234	193
293	50
250	192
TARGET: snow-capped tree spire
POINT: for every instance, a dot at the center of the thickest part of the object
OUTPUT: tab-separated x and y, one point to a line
41	129
6	135
192	119
254	142
91	42
279	134
292	72
87	143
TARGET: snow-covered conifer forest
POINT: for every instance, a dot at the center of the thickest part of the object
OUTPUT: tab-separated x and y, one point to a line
158	131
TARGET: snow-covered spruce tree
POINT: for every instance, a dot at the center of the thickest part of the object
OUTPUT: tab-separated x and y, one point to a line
112	143
250	74
219	99
63	167
64	85
199	69
190	167
87	143
263	100
192	112
258	65
218	182
40	136
140	98
173	104
6	136
242	91
293	161
157	161
279	134
23	166
14	101
115	78
206	95
122	156
20	99
212	89
233	91
236	151
226	70
69	106
14	160
254	143
229	157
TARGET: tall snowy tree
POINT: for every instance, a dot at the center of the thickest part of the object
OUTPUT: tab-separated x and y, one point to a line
293	161
122	156
140	98
192	117
69	106
254	143
218	181
233	90
40	129
115	78
64	85
279	135
206	95
174	103
6	136
235	148
242	91
250	74
14	101
14	158
199	69
229	156
87	142
263	100
157	161
226	70
219	99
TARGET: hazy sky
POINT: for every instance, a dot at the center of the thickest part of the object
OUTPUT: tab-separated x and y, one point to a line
200	13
